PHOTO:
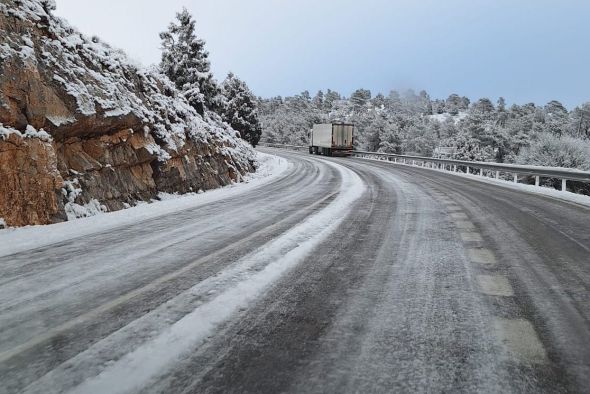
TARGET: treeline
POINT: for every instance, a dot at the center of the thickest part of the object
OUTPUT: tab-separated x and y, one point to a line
186	62
411	123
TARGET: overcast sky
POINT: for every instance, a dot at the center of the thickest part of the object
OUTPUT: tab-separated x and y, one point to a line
524	50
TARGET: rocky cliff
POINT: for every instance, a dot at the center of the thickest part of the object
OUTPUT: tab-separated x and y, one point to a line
83	129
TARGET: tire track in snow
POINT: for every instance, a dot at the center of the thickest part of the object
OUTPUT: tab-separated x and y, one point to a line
153	358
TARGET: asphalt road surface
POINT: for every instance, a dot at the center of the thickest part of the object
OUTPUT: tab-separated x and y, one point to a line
341	275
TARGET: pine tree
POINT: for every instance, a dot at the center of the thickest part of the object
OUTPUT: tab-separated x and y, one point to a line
580	121
424	103
555	117
330	98
240	109
318	100
379	101
186	62
359	98
453	104
394	102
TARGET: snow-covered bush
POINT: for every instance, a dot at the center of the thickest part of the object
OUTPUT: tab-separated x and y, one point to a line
555	151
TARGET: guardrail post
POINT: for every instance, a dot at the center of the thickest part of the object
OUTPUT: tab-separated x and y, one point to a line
497	174
467	172
515	177
537	180
564	185
481	172
413	162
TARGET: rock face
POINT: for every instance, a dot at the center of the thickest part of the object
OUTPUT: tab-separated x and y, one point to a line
34	196
83	130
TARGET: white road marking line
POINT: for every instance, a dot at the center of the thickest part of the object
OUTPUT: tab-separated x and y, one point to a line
481	256
470	236
495	285
521	340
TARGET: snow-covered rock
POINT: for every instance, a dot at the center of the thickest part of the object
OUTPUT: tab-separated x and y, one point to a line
124	132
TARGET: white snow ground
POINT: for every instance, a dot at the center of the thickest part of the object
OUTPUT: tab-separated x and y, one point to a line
14	240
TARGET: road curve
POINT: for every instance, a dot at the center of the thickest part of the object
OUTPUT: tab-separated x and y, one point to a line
342	275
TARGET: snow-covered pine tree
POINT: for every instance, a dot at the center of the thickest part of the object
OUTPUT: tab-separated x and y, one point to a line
330	98
240	109
424	103
580	121
555	117
186	62
453	104
318	100
359	98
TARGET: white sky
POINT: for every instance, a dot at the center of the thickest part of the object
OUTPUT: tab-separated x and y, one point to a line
525	50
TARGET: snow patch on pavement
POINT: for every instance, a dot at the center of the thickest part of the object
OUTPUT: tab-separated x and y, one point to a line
15	240
229	292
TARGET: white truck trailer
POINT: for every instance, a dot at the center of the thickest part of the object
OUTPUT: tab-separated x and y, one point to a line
331	139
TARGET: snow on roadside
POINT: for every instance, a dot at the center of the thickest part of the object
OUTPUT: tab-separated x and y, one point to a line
14	240
542	190
237	286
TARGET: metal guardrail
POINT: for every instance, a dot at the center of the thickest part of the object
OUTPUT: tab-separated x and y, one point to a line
565	174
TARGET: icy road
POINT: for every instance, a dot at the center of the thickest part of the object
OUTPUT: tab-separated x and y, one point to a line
335	275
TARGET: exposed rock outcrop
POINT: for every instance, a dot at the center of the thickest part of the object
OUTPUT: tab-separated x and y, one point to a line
83	129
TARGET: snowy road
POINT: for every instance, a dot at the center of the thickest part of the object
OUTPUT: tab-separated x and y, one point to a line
340	275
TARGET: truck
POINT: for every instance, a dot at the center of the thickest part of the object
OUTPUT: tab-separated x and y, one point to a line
331	139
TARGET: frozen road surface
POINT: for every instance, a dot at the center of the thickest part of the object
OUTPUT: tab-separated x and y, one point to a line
334	275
